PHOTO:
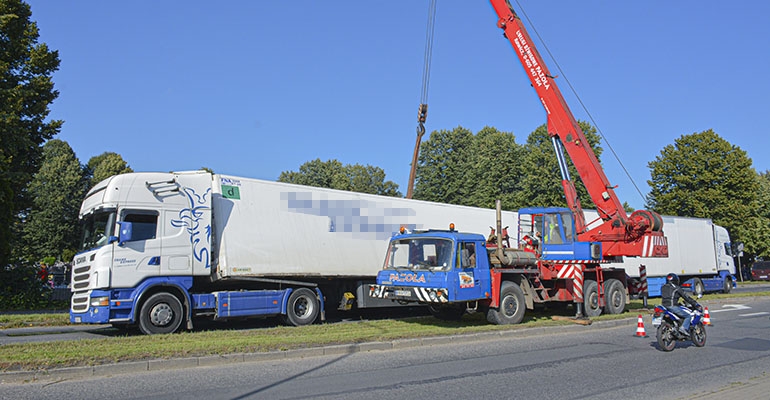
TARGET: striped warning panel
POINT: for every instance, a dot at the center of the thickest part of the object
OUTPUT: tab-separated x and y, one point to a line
651	242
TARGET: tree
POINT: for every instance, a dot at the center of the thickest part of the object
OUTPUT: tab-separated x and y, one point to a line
26	91
762	231
57	190
104	166
541	186
458	167
444	167
332	174
702	175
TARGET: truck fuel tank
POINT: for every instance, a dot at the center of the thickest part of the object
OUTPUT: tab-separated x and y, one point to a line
513	257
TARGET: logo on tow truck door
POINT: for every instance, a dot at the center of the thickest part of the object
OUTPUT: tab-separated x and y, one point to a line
466	280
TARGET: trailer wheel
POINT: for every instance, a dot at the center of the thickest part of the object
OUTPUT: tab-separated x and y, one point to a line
591	299
303	308
697	287
727	285
447	313
614	296
512	306
161	313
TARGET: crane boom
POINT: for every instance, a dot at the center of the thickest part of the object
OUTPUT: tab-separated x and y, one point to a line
621	235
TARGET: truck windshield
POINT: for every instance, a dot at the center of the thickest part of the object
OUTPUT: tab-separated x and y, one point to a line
97	229
424	253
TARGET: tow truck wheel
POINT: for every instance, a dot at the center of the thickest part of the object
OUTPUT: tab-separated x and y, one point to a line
512	306
302	309
161	313
614	296
591	299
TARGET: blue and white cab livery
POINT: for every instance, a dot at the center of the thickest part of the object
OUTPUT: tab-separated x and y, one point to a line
140	231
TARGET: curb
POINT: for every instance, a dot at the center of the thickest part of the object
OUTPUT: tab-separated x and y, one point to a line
107	370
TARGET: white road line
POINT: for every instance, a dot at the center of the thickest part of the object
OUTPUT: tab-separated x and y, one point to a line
732	307
754	314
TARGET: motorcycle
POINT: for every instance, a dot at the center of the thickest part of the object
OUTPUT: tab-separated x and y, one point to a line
668	323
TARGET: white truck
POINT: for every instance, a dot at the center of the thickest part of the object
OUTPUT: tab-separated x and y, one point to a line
161	248
699	251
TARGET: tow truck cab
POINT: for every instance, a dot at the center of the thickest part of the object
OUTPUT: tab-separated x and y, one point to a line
435	267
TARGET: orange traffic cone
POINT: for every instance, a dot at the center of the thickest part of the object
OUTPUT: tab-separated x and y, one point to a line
706	317
640	328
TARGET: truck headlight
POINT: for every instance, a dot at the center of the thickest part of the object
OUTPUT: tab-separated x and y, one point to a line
100	301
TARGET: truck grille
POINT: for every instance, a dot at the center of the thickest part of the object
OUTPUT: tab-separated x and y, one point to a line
79	302
81	278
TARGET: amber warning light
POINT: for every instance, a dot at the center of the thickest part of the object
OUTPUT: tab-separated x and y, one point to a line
451	226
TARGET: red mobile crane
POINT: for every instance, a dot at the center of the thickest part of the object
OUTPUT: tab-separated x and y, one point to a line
457	272
638	235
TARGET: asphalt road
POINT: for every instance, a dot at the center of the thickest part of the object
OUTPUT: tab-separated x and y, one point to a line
601	361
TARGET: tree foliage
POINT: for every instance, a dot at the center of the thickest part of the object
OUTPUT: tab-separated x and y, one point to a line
542	186
458	167
57	191
762	231
104	166
702	175
26	91
443	167
334	175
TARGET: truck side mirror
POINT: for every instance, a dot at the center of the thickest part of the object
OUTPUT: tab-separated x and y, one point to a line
126	232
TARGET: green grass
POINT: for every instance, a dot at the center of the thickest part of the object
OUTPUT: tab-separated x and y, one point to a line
8	321
117	348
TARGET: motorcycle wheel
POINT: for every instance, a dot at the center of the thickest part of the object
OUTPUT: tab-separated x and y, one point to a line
665	336
698	335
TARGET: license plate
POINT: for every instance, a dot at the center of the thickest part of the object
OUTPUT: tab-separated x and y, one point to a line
763	277
403	293
656	321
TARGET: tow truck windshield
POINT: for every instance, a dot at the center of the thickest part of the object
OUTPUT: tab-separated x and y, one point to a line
97	229
423	253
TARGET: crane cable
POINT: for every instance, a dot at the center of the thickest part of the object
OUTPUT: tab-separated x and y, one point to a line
422	113
574	92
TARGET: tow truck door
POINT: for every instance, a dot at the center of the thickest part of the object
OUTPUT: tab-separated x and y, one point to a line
471	277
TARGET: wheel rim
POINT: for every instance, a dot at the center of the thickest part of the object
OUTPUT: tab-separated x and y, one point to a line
161	314
668	336
302	307
510	306
615	299
593	301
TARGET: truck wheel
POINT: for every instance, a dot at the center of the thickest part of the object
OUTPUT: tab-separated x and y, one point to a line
591	299
161	313
727	285
697	287
447	313
303	308
614	296
512	306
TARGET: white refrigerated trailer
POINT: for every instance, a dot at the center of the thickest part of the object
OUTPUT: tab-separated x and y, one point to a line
160	248
699	251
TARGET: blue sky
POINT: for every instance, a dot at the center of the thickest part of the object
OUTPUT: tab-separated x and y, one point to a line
254	88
